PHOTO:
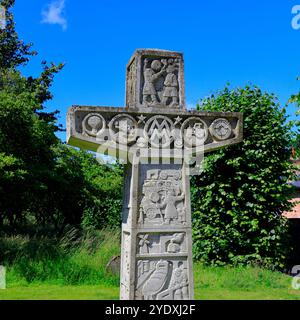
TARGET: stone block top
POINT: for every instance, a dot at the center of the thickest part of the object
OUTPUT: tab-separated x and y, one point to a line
155	80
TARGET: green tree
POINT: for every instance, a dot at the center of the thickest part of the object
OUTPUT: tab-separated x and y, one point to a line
82	191
239	198
42	181
13	51
295	140
27	131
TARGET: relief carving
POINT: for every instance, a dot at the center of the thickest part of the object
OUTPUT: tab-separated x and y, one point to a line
162	280
160	87
159	131
93	124
179	285
162	243
123	129
144	244
221	129
194	132
174	245
163	199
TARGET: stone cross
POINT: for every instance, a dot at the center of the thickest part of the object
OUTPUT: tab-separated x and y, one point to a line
160	141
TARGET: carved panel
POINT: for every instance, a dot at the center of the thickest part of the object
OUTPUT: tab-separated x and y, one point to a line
160	86
161	243
163	279
155	80
163	198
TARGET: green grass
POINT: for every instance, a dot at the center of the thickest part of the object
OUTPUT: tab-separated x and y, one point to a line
73	267
220	283
71	260
242	283
59	292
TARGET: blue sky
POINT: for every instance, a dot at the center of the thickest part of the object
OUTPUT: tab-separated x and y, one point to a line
223	41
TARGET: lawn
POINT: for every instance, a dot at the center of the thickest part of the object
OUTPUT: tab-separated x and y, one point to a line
221	283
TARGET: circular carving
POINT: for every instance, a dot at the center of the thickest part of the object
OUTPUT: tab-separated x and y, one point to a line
154	196
123	129
151	213
159	131
194	132
221	129
93	124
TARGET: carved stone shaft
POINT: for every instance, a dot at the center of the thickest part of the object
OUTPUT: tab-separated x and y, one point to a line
156	234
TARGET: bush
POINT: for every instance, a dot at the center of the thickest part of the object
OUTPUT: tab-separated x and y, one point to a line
239	198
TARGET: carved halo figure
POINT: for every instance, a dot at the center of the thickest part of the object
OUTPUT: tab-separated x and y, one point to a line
151	75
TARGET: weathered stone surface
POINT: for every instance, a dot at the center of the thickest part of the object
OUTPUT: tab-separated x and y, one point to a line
154	79
158	137
113	265
90	127
157	246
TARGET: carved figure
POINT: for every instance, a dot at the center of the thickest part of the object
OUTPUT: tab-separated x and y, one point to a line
170	85
144	243
151	75
179	283
171	212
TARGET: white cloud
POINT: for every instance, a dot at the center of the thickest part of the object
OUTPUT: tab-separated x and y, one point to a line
53	14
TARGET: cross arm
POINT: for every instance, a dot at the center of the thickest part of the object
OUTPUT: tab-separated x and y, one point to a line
89	127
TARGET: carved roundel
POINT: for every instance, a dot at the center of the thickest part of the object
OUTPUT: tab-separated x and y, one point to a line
159	131
93	124
221	129
194	132
123	129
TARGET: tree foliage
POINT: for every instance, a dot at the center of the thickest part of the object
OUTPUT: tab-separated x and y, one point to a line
295	140
239	198
13	51
42	181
